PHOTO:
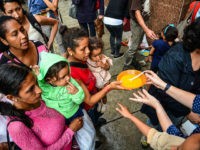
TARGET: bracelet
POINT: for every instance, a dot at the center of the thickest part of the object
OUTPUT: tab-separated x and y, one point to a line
167	87
150	54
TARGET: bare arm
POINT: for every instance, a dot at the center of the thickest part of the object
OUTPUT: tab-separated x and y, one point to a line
146	98
139	124
151	54
48	21
52	5
141	22
184	97
93	99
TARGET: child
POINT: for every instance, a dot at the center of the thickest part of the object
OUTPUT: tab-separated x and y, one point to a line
99	64
161	46
63	93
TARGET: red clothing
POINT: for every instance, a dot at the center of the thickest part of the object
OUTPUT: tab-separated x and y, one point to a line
196	12
80	71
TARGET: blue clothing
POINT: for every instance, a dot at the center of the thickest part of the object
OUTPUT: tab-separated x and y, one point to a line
36	6
161	47
173	130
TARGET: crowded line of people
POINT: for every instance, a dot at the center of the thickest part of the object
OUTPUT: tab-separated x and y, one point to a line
51	101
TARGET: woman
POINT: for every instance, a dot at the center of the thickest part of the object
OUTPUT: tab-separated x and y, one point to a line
179	67
30	23
87	13
116	11
37	126
76	43
19	49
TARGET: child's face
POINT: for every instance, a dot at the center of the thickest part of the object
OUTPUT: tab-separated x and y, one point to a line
62	79
96	55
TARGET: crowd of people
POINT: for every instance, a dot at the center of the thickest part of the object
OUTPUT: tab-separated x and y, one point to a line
54	97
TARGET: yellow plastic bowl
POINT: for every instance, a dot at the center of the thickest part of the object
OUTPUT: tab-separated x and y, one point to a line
125	77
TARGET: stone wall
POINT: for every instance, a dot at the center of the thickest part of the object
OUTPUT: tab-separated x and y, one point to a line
164	12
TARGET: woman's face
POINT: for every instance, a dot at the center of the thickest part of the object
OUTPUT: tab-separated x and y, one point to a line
29	94
82	51
16	36
15	10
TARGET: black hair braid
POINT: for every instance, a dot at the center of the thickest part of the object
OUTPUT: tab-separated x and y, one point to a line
9	110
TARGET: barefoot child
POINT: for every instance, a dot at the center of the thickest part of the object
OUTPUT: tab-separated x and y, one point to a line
99	64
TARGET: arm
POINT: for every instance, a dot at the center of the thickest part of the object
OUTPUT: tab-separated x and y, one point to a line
25	138
151	54
52	5
48	21
184	97
139	124
141	22
146	98
101	9
93	99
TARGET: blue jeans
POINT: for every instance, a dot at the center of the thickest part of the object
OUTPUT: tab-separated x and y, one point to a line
115	37
91	30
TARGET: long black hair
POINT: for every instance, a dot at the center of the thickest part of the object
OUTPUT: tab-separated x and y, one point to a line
3	30
11	77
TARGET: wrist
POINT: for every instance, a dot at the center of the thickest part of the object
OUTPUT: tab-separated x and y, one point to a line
167	86
108	88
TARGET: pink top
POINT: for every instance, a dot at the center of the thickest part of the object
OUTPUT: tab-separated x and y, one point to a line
49	131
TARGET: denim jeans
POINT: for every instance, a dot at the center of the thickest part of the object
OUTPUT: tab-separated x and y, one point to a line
91	30
115	37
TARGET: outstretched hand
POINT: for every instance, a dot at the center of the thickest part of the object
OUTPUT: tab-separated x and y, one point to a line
144	97
123	111
116	85
154	79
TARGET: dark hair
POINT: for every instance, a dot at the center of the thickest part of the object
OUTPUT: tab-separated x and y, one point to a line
11	78
2	3
3	30
54	70
191	37
70	36
170	32
95	43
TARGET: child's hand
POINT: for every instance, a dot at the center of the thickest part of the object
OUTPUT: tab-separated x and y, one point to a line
100	64
71	88
144	97
123	111
76	124
35	69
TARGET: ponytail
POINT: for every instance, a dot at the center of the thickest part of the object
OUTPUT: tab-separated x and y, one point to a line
7	109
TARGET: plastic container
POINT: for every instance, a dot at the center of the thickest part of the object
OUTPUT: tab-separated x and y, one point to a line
126	76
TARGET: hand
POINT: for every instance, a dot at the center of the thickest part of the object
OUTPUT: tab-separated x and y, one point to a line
71	88
155	80
149	59
115	85
151	34
49	45
144	97
100	64
123	111
35	69
100	17
76	124
194	118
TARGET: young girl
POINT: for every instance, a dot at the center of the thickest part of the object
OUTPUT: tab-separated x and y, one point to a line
99	64
63	93
76	42
161	46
